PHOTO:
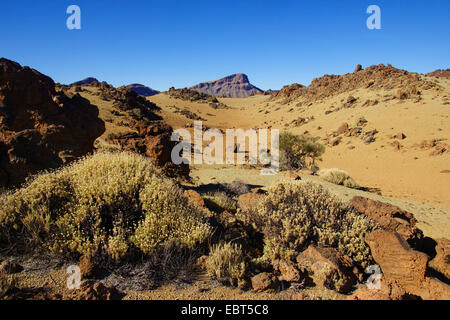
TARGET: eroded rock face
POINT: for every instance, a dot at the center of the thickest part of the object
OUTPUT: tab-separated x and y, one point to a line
391	218
39	127
441	262
152	139
328	267
404	266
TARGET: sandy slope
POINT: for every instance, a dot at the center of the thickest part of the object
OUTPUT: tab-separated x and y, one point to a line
407	174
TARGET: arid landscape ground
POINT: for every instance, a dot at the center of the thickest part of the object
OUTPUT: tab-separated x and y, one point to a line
237	234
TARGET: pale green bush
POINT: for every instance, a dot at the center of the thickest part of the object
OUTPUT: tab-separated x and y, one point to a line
339	177
226	262
293	216
108	203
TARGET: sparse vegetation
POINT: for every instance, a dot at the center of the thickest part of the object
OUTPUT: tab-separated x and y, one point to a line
226	262
298	151
113	204
339	177
219	201
293	216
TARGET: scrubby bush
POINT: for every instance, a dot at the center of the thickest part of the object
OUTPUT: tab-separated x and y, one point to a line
110	203
293	216
298	151
339	177
226	262
8	285
219	202
236	188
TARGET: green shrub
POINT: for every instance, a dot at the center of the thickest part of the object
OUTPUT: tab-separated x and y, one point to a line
293	216
226	262
109	203
339	177
298	151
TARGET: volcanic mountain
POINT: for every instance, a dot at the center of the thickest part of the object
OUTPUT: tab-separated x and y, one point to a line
233	86
85	82
142	90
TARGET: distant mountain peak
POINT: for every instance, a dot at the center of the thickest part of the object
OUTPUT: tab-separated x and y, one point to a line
142	90
236	86
85	82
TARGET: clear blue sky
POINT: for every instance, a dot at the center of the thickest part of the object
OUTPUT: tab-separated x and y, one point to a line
180	43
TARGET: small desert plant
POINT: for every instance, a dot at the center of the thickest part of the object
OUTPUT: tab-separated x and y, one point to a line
226	262
110	203
339	177
8	285
294	216
298	151
219	202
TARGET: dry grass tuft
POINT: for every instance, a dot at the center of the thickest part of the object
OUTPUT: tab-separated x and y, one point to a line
339	177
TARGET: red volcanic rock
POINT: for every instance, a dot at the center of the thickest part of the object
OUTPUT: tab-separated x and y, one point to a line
390	217
328	267
152	139
40	128
440	73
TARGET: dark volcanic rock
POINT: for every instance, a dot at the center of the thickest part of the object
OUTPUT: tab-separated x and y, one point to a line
40	128
236	86
142	90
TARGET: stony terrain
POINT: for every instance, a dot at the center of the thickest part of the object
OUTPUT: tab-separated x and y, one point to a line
305	238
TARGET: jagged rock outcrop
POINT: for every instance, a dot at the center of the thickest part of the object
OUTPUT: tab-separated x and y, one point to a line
374	77
390	218
142	90
152	139
40	128
440	73
235	85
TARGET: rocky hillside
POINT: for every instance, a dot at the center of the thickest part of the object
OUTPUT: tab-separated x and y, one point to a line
142	90
373	77
440	73
40	127
233	86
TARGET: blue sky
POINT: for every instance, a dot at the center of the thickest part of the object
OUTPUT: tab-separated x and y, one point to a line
180	43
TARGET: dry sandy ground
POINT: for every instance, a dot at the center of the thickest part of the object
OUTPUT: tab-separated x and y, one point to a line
406	174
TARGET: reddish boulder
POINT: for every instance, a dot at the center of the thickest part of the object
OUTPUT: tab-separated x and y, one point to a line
397	260
344	128
265	282
390	217
40	128
441	262
195	199
328	267
388	291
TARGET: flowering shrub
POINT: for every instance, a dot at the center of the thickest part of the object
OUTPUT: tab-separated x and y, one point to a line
293	216
108	203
